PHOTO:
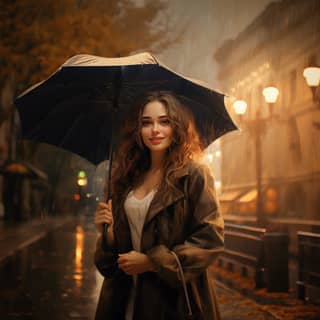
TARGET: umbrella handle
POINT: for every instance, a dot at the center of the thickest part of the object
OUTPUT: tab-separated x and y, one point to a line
104	237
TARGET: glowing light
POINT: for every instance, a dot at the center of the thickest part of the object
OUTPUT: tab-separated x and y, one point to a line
76	196
82	174
312	76
78	256
270	94
240	107
217	184
82	182
218	153
210	157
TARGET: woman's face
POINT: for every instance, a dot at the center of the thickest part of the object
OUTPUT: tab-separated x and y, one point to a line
156	130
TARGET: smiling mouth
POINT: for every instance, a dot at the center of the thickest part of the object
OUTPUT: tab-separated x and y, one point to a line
156	140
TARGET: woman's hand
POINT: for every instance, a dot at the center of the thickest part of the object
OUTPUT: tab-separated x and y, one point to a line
134	262
103	215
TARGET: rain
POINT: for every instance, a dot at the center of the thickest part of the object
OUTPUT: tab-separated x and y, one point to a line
261	55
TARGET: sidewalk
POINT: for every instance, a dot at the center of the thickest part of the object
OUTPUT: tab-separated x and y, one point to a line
15	237
282	306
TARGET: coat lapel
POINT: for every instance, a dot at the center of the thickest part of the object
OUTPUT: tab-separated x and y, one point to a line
162	201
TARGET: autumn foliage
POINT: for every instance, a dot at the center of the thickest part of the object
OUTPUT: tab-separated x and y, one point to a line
38	36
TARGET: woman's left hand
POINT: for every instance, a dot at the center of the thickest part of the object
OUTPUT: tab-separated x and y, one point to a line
134	262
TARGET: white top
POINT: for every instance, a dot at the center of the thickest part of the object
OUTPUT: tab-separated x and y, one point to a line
136	211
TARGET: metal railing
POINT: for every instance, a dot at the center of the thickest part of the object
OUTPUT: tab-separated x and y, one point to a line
308	283
254	251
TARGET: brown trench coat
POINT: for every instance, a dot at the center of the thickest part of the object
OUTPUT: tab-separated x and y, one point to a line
186	221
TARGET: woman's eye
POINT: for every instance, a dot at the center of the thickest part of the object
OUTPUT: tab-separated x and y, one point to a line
145	123
165	121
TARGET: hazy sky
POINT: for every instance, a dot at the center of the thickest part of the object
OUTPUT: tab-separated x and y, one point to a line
208	24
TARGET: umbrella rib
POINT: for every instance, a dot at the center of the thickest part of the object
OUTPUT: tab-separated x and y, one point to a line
70	129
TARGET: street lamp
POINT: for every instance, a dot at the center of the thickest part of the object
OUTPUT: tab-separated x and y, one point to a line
270	95
312	76
240	107
257	127
82	181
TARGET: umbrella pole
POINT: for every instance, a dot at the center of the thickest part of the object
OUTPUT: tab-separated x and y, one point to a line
117	88
105	226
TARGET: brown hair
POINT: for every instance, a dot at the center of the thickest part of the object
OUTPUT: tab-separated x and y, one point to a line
134	157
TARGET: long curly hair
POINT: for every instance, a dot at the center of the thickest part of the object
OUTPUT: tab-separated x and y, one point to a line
133	157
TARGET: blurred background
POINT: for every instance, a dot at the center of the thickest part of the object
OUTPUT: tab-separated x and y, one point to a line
264	55
269	170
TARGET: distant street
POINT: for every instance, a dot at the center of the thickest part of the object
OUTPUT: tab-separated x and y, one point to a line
55	278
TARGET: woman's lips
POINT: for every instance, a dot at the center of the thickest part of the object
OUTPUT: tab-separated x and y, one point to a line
156	140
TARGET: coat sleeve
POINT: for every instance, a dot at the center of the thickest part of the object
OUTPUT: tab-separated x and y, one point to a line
205	239
106	260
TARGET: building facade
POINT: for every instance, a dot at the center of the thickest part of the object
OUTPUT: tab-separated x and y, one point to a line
273	51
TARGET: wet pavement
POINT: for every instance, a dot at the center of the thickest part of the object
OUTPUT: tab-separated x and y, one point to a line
234	306
55	278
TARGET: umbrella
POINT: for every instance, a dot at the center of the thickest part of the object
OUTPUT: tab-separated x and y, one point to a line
80	106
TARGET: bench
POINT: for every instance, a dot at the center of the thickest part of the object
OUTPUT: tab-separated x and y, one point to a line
308	283
244	249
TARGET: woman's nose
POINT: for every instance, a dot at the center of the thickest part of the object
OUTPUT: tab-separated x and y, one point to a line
155	127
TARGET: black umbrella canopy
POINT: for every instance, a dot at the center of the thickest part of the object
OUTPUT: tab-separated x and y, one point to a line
74	108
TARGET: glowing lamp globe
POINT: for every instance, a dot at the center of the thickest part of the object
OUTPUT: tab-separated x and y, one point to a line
270	94
312	76
240	107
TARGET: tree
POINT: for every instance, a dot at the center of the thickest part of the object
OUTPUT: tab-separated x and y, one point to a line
37	37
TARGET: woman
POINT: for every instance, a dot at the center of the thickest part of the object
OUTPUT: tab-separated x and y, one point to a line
163	208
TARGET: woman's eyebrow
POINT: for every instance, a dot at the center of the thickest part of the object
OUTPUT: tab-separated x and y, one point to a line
160	117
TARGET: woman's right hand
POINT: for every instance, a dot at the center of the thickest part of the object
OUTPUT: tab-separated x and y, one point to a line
103	215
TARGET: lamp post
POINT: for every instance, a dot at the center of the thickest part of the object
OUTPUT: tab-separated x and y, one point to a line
257	127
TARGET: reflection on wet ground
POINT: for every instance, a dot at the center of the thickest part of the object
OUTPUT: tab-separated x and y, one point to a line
54	278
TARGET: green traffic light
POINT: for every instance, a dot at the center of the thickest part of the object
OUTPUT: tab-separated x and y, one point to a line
81	174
